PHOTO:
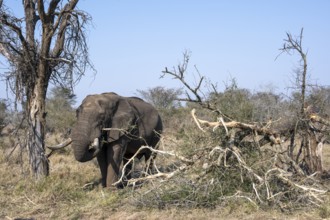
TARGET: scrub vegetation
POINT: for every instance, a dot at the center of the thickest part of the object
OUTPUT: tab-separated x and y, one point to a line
202	171
225	154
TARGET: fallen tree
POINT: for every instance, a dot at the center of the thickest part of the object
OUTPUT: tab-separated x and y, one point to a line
260	162
270	177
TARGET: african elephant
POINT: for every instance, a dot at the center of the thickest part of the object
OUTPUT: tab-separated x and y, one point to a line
113	128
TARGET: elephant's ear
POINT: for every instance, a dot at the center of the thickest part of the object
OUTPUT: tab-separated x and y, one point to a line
122	120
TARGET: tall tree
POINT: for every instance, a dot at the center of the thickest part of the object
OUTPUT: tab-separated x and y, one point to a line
47	45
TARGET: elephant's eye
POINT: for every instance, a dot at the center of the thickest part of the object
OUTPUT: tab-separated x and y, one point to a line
79	110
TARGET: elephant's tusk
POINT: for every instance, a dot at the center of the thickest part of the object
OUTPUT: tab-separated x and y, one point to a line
61	145
96	147
96	143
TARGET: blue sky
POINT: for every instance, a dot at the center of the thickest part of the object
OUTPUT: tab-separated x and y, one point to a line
132	41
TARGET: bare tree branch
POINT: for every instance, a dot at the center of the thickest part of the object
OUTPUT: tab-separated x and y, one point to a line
317	118
264	130
62	24
41	11
159	174
291	45
179	73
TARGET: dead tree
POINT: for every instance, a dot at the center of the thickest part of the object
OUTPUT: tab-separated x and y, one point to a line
47	45
307	130
309	152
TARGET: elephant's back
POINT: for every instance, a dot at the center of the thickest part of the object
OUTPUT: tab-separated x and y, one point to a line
142	107
147	114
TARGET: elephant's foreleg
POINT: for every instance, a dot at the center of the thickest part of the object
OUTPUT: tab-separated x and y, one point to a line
103	164
114	158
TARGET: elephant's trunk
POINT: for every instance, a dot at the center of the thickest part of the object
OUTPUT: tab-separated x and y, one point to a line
83	148
88	153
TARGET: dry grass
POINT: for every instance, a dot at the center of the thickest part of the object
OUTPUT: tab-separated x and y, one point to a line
71	192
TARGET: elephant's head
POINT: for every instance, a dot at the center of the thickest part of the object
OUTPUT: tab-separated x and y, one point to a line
94	114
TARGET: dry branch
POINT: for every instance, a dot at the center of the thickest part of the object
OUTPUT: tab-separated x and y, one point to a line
265	130
186	162
159	175
272	174
274	178
319	119
193	93
312	194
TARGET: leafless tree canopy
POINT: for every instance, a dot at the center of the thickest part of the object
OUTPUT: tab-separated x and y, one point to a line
51	35
291	45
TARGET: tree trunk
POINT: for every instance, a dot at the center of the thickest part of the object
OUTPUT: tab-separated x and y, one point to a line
36	133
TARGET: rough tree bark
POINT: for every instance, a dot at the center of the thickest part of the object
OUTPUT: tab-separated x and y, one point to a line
36	133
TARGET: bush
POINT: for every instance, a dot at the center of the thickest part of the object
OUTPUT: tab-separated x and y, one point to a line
60	113
234	102
3	113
